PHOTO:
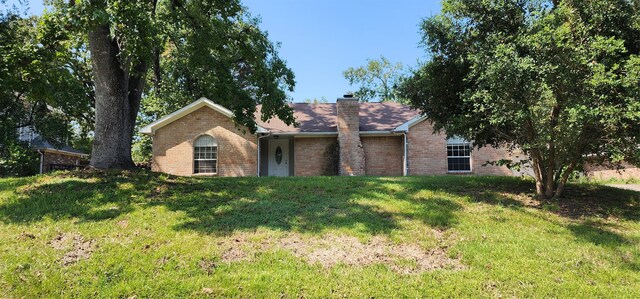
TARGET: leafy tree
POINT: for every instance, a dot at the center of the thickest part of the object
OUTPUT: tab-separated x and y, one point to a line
18	160
557	79
142	150
379	78
184	49
321	100
42	84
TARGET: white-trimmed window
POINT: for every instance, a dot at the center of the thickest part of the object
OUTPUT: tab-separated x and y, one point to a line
458	155
205	155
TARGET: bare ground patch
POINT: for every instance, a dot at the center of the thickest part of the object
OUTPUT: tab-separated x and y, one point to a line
26	236
123	223
75	246
332	250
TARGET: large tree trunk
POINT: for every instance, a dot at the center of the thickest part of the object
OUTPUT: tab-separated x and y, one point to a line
565	177
550	183
538	172
116	105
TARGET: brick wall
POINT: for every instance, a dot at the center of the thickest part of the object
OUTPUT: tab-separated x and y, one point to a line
315	156
383	155
352	160
603	172
427	151
428	154
488	153
173	145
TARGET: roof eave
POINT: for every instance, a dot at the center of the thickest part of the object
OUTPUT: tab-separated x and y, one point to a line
325	134
53	150
305	134
378	133
414	121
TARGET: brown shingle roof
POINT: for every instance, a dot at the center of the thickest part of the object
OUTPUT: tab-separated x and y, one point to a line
323	118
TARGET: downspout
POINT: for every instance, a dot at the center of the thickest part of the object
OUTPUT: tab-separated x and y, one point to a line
405	152
41	160
405	161
259	162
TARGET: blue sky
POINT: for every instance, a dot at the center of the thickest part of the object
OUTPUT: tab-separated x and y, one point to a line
322	38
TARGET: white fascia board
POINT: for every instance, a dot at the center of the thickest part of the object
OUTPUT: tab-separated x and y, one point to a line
57	151
378	133
414	121
261	130
307	134
151	128
332	134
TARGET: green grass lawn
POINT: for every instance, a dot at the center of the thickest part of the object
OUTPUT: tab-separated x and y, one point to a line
148	235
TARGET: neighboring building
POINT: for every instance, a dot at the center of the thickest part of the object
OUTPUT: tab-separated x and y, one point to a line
51	157
345	138
621	171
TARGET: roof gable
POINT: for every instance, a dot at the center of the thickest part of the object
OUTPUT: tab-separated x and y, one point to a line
151	128
412	122
40	143
317	118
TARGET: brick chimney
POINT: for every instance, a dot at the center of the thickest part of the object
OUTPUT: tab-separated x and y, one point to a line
351	151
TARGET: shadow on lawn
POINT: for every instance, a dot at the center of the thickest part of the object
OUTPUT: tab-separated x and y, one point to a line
223	205
52	201
601	234
580	200
597	234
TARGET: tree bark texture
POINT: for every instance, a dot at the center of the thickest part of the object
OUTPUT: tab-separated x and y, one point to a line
563	180
117	103
550	183
538	172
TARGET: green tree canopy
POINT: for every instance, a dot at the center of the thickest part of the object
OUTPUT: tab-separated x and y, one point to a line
44	84
164	54
378	79
557	79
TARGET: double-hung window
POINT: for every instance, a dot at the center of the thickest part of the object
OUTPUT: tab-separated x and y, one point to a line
205	155
458	155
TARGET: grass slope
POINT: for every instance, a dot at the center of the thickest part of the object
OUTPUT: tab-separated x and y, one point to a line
148	235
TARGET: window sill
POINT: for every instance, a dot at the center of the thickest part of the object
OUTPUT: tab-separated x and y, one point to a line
460	172
205	174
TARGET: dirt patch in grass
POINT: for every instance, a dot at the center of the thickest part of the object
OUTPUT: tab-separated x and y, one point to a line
27	236
234	254
401	258
207	266
332	250
123	223
75	246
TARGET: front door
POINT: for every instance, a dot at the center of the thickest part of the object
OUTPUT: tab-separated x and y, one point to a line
278	157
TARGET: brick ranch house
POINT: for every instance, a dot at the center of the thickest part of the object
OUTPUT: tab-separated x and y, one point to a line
345	138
